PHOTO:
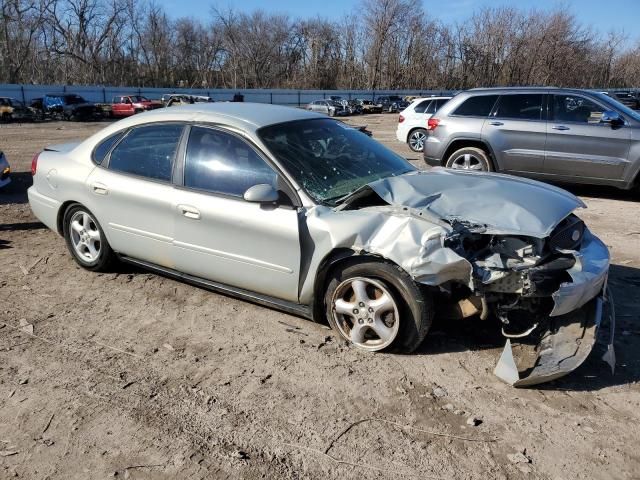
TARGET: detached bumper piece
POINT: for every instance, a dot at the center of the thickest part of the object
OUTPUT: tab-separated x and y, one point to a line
556	351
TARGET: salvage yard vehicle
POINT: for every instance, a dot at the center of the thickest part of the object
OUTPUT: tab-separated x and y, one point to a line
126	105
5	170
562	135
12	109
328	107
368	106
180	99
297	211
412	121
66	106
391	103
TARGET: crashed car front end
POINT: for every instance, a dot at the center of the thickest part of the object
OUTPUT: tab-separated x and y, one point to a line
491	245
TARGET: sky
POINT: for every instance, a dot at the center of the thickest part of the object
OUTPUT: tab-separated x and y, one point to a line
605	16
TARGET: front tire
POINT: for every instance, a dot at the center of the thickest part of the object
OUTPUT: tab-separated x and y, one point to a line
470	158
86	240
377	306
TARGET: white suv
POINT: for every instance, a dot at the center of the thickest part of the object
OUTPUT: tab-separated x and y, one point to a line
412	122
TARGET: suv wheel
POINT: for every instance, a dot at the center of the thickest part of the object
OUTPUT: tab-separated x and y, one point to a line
469	158
417	139
377	306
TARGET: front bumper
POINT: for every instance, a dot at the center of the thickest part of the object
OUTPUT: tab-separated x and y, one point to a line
573	324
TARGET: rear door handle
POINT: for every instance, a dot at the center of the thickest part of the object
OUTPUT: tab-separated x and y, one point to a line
496	124
100	188
560	127
189	212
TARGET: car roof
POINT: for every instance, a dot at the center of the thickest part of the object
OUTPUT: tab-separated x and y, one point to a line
243	115
498	90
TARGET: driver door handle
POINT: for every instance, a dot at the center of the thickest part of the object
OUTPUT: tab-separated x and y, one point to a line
496	123
189	212
560	127
99	188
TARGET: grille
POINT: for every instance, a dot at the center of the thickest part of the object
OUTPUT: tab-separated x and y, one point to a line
568	234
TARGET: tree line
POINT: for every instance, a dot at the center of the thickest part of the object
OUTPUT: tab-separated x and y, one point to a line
382	44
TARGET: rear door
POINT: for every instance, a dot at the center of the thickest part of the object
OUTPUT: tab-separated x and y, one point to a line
220	236
517	130
579	146
132	194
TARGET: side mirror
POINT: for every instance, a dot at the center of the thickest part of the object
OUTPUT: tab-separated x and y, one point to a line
612	118
261	193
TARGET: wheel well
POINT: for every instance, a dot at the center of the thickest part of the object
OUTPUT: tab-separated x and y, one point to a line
61	212
458	144
413	130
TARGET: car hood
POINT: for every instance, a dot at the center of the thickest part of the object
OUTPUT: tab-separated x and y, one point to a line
501	203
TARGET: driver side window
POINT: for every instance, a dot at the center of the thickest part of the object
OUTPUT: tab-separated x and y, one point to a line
573	108
220	162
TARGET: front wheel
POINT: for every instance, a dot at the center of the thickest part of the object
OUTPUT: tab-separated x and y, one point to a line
417	139
86	240
469	158
377	306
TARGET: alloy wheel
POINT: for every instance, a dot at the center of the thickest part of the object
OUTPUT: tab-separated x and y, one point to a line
468	161
416	141
85	236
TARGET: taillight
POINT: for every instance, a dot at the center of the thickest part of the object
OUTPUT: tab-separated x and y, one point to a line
400	119
34	164
432	123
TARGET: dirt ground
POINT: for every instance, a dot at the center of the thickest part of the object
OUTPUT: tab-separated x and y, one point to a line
133	375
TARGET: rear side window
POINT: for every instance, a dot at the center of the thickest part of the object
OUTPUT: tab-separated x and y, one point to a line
520	107
478	106
422	106
440	103
103	148
147	151
220	162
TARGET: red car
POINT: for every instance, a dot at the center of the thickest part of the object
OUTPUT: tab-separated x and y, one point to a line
127	105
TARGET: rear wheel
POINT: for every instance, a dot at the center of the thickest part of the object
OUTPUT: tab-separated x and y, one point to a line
469	158
377	306
416	139
86	240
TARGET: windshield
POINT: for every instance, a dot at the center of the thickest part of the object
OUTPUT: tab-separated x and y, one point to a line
330	159
619	106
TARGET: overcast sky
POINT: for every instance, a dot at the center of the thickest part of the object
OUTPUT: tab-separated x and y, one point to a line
605	16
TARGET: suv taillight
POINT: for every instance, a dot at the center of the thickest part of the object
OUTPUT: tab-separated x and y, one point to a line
400	119
432	123
34	163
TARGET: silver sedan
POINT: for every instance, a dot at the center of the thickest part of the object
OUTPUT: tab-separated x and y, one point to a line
297	211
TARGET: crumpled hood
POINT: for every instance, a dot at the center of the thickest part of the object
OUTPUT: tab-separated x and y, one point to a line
505	204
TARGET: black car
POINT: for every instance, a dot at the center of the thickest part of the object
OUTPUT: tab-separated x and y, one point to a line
68	106
392	103
628	99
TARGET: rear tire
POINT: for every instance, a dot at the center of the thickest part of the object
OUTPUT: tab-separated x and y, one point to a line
86	240
470	158
377	306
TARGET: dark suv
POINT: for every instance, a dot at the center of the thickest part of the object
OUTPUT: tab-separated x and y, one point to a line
555	134
391	103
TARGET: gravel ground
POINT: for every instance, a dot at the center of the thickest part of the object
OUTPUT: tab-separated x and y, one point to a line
133	375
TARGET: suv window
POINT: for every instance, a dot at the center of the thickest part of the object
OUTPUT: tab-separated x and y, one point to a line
422	106
478	106
147	151
520	106
220	162
101	151
574	108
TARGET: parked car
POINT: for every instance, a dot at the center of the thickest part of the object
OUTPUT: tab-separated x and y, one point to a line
12	109
181	99
629	99
328	107
290	209
126	105
356	107
554	134
68	106
368	106
5	171
412	121
391	103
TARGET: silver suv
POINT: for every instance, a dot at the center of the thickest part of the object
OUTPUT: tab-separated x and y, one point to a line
562	135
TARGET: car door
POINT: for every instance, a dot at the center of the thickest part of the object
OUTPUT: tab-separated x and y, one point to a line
579	145
221	237
516	130
132	194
